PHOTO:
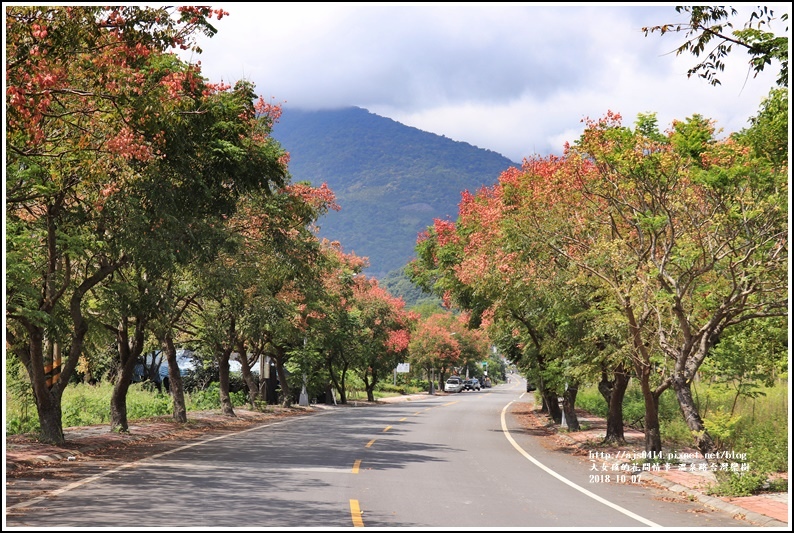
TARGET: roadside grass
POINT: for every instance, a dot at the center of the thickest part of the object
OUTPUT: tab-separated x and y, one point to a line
87	405
753	430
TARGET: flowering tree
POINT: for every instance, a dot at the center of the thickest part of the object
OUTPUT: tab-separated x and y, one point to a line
434	345
382	329
88	89
688	242
662	236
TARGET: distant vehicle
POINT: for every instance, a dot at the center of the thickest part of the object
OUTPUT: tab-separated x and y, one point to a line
453	384
185	361
471	384
486	383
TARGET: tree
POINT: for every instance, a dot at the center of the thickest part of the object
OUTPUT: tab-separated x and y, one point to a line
434	346
487	263
78	81
707	23
279	250
331	316
768	131
690	246
383	331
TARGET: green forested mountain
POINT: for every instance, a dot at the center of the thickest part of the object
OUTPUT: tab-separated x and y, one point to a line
391	180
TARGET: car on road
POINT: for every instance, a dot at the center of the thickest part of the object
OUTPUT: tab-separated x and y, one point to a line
453	384
471	384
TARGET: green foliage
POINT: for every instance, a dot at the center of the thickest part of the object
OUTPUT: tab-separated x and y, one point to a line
589	399
693	136
142	405
707	23
85	405
759	430
400	285
734	484
721	426
768	131
390	387
205	399
647	125
766	446
20	410
16	424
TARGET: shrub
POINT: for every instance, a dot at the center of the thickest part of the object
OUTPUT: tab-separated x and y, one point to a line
390	388
204	399
733	484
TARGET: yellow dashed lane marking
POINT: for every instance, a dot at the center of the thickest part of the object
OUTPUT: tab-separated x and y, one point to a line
356	465
355	514
370	443
387	428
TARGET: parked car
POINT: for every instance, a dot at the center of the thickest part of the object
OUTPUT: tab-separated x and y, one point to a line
471	384
453	384
153	366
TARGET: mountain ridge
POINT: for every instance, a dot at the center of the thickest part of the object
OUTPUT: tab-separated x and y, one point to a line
391	180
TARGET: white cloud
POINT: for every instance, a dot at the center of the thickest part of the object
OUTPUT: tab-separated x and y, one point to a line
513	78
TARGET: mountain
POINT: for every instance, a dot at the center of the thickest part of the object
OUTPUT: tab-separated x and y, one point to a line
391	180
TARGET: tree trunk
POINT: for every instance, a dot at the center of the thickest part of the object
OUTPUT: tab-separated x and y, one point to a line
568	407
342	384
653	434
605	387
334	381
118	406
129	351
614	392
50	421
48	405
683	392
642	368
248	378
552	404
175	386
223	383
30	352
370	388
286	394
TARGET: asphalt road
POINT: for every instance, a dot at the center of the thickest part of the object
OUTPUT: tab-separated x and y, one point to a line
448	461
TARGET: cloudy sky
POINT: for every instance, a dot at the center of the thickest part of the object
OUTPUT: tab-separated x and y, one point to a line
516	78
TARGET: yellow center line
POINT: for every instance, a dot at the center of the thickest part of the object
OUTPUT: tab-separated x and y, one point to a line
370	443
387	428
356	465
403	419
355	514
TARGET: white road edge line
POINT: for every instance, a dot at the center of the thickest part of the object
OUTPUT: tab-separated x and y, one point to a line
567	481
95	477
